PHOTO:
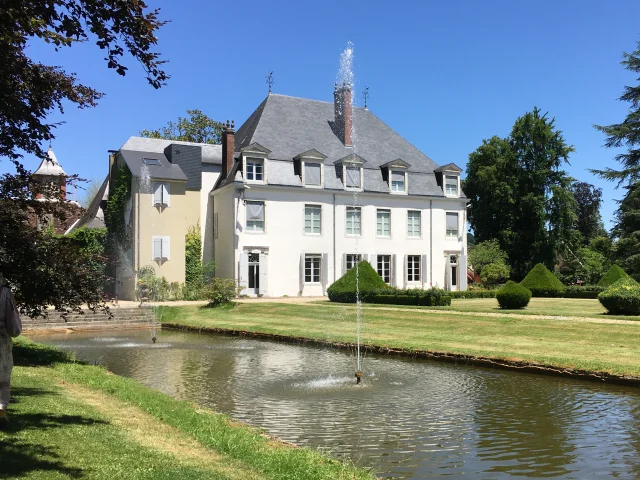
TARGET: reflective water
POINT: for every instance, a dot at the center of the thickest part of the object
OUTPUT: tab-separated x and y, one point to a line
409	419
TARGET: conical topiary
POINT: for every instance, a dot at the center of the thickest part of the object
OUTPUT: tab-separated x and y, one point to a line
542	282
344	289
513	295
614	274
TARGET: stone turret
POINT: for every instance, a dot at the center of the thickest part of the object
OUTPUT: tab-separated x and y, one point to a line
50	171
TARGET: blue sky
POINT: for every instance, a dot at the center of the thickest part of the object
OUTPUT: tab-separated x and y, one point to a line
445	75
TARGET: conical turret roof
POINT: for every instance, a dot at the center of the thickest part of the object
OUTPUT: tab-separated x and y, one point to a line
50	166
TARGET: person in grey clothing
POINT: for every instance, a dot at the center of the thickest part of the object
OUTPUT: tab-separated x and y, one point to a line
6	355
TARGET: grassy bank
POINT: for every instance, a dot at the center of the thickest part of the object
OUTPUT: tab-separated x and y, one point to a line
595	347
70	420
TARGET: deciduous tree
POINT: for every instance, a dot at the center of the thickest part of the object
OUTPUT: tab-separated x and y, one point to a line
198	128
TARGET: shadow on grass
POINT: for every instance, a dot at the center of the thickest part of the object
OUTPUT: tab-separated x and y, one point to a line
33	355
20	458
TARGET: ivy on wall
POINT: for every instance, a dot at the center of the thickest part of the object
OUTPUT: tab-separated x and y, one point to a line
116	204
193	256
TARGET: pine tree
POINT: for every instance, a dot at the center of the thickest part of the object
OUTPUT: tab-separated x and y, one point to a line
627	134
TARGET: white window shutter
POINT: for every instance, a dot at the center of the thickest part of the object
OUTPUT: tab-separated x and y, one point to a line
372	261
166	248
165	193
157	249
344	263
462	267
301	272
262	290
325	269
423	271
394	269
244	272
157	193
365	257
406	270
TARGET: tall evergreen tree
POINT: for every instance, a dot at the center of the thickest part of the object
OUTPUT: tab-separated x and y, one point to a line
520	195
627	134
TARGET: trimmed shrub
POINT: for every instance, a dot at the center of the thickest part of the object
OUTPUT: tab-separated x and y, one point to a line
614	274
222	290
542	282
513	296
434	297
622	298
582	291
473	294
344	289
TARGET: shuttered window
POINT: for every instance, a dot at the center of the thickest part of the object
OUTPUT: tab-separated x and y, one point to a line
413	268
384	267
161	194
161	248
312	264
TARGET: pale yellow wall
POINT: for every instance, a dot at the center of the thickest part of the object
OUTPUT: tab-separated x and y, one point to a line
172	221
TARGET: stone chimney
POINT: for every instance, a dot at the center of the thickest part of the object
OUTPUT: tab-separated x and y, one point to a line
228	147
343	113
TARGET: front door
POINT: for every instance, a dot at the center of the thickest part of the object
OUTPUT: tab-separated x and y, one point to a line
453	272
254	273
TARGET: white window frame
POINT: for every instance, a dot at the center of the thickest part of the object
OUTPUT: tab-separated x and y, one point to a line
304	220
444	180
304	180
313	256
449	236
346	221
344	176
378	211
412	279
166	186
254	160
419	212
390	266
356	256
164	240
398	192
253	231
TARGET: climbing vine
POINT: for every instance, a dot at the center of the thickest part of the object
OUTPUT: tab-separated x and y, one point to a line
119	195
193	256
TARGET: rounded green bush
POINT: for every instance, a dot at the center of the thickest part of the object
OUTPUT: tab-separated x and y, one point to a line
513	296
614	274
344	289
622	298
542	282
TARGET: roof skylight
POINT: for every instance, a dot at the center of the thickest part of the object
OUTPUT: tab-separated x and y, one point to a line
151	161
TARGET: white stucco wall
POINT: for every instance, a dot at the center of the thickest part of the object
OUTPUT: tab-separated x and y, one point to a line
284	239
224	206
210	174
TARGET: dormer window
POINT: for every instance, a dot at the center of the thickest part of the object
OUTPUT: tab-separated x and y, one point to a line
254	169
312	176
398	181
451	185
395	174
353	176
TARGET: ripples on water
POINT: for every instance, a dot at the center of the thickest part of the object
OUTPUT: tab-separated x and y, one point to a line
409	419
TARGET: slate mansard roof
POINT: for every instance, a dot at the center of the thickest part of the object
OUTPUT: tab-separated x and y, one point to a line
289	126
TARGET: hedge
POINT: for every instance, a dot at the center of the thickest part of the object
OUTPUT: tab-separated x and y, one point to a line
433	297
582	291
542	282
473	294
344	289
614	274
513	296
622	298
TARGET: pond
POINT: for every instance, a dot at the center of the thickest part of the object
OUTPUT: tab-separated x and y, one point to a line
408	419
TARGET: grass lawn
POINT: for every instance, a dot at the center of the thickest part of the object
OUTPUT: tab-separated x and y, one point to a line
70	420
598	347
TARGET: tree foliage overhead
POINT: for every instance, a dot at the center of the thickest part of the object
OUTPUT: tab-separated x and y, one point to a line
519	194
620	135
198	128
45	269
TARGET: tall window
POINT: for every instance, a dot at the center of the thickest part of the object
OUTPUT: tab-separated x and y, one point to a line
353	177
353	221
383	228
413	223
352	259
255	216
312	268
397	181
452	225
161	194
451	185
384	267
312	174
255	169
313	219
413	268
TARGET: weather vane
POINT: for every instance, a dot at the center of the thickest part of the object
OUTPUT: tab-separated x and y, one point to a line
270	81
365	95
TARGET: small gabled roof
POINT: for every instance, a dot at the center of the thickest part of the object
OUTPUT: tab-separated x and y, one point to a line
397	163
352	158
255	148
50	166
449	167
313	153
